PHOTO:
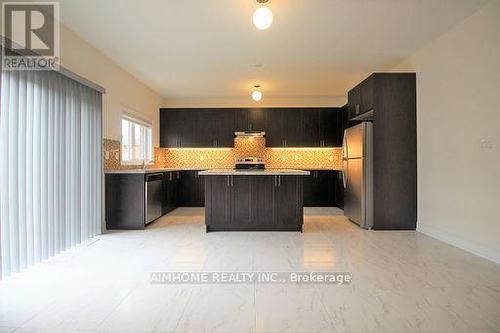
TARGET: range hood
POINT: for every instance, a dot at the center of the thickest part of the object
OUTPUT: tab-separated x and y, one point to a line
251	134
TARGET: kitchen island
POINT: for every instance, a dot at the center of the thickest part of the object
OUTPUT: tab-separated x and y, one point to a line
253	200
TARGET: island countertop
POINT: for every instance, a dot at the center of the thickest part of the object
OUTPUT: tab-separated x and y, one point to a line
255	172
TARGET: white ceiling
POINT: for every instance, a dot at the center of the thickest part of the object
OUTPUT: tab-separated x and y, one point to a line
209	48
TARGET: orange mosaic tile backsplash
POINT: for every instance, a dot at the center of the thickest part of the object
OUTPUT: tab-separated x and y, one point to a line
207	158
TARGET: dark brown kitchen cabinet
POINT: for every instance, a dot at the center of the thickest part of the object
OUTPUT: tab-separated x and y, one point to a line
263	197
330	128
253	203
225	120
275	132
320	189
292	128
127	197
218	202
257	119
361	100
310	128
354	102
339	189
176	128
288	202
190	189
205	128
170	188
240	120
389	101
240	194
196	128
366	89
170	128
284	127
187	129
125	201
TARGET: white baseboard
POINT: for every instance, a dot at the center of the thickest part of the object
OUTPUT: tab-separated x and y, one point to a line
463	244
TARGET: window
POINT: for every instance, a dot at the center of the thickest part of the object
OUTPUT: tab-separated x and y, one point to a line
137	142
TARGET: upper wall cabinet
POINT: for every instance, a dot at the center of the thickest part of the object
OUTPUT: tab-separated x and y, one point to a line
196	128
294	127
360	100
310	128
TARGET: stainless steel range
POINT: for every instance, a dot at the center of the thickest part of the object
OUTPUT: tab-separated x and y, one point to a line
249	163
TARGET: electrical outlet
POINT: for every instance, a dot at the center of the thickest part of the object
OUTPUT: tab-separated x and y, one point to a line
486	143
296	157
106	155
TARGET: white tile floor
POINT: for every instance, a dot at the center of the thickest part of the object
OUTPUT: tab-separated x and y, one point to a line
402	282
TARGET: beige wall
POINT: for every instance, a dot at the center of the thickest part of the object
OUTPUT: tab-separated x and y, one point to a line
123	91
248	102
458	94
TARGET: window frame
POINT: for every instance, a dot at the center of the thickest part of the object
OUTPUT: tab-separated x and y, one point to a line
144	124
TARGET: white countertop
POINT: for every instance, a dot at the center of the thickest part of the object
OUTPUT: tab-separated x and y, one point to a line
140	171
264	172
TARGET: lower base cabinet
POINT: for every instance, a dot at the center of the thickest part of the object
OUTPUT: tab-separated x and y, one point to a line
253	203
191	189
126	198
170	190
125	201
323	188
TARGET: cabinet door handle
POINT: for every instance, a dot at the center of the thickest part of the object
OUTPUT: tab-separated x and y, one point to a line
227	181
170	176
275	181
279	181
232	181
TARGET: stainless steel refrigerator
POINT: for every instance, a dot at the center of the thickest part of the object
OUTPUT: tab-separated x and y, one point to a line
357	171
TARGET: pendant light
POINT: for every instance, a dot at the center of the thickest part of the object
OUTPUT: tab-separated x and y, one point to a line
262	17
257	94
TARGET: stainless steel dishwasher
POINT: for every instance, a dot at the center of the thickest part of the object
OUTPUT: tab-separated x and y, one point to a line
153	191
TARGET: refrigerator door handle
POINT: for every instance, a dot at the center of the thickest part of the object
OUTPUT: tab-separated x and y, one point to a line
345	151
345	167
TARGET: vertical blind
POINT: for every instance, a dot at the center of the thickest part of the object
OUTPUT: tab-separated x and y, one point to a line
50	166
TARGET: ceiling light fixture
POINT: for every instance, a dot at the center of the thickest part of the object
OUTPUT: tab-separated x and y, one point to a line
256	94
262	17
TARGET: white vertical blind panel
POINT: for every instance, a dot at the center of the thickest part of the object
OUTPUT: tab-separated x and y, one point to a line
50	167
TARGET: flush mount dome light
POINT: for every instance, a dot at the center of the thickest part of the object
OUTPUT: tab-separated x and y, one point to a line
262	17
256	94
